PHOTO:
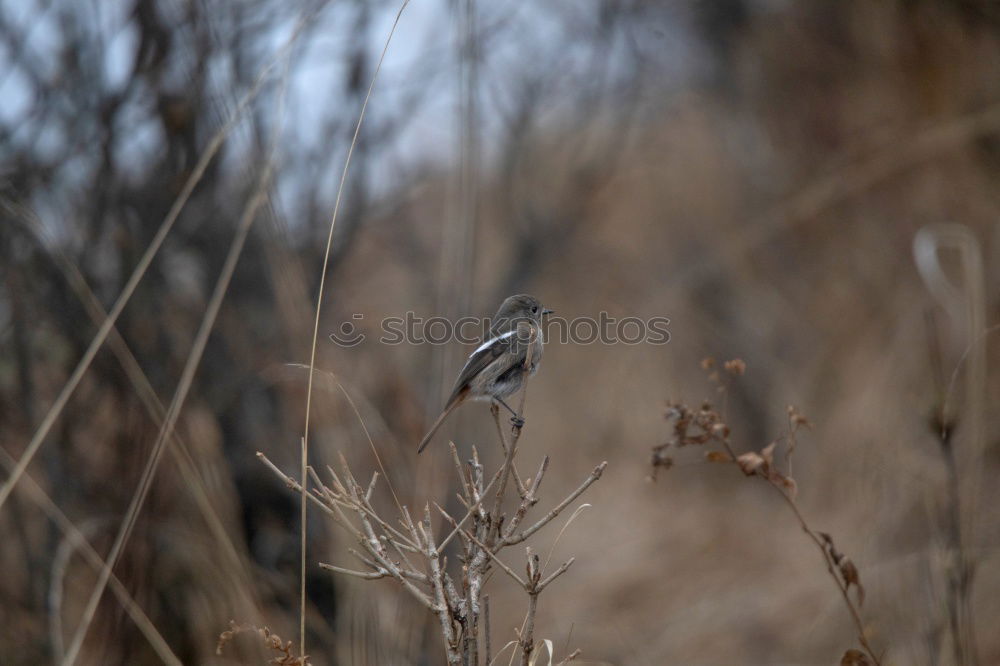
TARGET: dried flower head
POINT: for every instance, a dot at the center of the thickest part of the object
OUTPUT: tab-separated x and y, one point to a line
848	572
285	656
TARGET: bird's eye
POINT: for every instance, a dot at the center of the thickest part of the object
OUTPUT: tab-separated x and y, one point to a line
534	309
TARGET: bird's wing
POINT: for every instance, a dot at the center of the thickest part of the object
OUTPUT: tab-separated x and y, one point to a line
485	354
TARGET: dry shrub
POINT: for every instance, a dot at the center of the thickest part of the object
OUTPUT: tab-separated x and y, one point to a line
706	427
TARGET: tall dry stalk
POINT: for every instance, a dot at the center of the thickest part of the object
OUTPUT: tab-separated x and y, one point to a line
303	508
966	307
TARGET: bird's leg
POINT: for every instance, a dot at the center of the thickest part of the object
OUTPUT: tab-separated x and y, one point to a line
515	419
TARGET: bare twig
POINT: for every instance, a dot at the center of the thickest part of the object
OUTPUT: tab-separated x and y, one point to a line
527	634
511	540
369	575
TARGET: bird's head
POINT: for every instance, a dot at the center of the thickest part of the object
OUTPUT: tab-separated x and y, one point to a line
519	308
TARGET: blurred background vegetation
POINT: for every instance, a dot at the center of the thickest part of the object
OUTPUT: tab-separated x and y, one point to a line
758	172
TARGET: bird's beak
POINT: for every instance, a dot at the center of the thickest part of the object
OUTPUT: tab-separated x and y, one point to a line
546	311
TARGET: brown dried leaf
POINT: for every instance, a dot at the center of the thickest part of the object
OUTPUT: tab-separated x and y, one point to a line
835	555
750	462
851	577
848	572
855	658
718	456
707	363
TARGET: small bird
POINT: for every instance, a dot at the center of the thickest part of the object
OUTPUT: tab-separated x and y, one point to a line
497	369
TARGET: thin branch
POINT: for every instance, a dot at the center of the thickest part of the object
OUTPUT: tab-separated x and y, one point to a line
373	575
855	613
527	634
529	499
495	410
437	578
297	487
466	489
555	574
471	510
511	540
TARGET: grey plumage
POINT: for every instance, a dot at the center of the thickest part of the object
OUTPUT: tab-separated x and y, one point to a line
497	368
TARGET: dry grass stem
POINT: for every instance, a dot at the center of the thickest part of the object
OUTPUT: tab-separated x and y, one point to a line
77	540
315	333
214	144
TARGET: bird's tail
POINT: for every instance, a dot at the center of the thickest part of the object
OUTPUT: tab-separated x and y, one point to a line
437	424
